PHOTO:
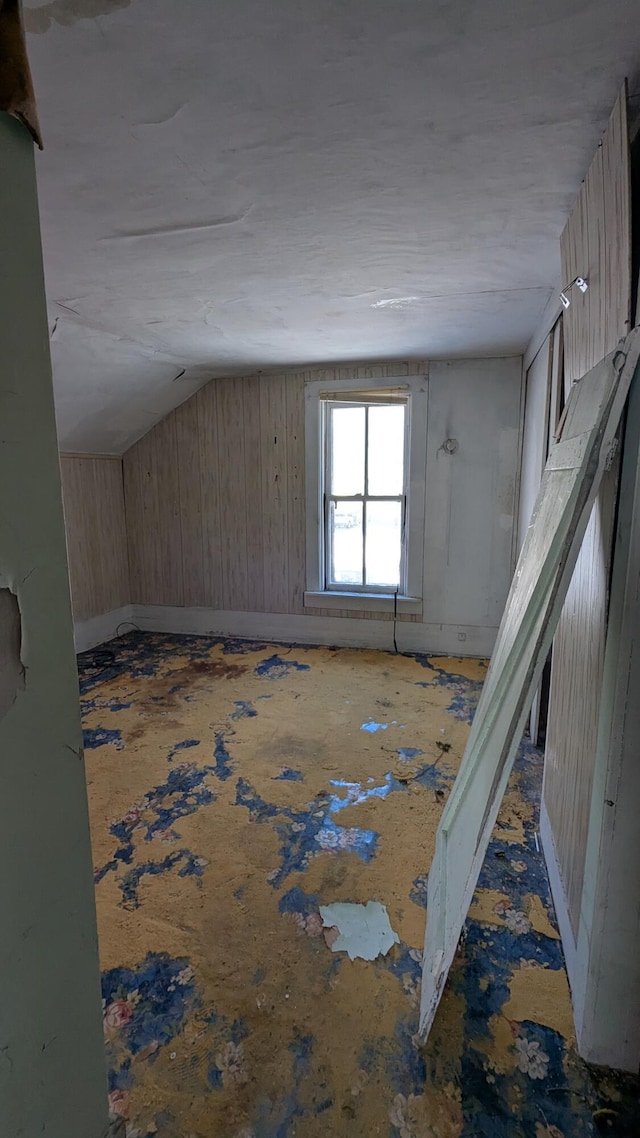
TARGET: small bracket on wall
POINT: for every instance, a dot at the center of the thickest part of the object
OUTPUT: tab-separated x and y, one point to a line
580	283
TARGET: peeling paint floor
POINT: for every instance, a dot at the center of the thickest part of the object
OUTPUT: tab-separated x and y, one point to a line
235	787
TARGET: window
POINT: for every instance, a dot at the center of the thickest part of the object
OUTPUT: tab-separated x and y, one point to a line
365	475
364	494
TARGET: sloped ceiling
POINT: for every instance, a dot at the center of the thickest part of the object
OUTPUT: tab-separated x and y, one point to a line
230	185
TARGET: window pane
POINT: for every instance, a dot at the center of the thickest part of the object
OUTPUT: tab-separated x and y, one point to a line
383	546
346	543
347	450
386	450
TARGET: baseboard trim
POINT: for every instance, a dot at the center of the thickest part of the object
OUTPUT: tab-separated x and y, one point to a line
438	639
562	910
99	629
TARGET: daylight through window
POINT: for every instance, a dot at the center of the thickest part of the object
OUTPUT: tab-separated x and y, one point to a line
365	494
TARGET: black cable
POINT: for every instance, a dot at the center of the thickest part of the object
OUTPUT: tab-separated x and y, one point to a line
132	626
103	658
102	661
395	618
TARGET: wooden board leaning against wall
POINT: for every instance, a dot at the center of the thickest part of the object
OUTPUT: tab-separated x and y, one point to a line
544	403
567	492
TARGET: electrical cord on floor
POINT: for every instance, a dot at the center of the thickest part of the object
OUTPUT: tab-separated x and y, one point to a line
130	624
103	658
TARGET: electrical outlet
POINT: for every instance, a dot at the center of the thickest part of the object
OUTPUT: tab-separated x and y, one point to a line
462	636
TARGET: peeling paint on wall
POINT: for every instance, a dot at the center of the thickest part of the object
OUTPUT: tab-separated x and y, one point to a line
11	666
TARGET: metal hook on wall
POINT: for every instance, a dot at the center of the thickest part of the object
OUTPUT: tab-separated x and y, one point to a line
580	283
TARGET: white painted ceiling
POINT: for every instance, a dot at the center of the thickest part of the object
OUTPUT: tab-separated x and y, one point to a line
230	185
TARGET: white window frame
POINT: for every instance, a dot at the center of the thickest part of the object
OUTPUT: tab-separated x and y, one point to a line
327	405
408	598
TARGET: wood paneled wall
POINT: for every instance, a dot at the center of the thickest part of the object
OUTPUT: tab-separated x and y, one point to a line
596	244
96	534
215	496
213	510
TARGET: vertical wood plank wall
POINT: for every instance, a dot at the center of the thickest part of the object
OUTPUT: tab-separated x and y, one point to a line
215	496
596	244
208	509
96	534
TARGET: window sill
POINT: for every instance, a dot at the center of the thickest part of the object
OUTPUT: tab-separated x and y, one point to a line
369	602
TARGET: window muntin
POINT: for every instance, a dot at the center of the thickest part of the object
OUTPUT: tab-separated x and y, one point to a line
365	494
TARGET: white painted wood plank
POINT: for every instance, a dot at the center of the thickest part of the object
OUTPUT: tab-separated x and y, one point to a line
536	433
207	412
560	904
233	505
606	983
96	535
556	403
273	453
253	492
569	486
189	483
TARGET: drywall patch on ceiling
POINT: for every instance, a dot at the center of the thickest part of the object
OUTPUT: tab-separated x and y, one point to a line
11	666
39	18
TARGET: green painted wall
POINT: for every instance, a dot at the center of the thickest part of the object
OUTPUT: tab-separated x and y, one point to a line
52	1078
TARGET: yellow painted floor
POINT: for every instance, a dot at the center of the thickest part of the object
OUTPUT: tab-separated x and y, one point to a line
234	788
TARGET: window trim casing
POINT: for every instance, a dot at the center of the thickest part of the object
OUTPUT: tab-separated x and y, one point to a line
316	595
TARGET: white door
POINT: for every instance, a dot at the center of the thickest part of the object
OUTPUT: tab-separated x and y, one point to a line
547	560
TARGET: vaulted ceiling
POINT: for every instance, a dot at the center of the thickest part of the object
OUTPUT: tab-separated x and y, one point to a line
230	185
